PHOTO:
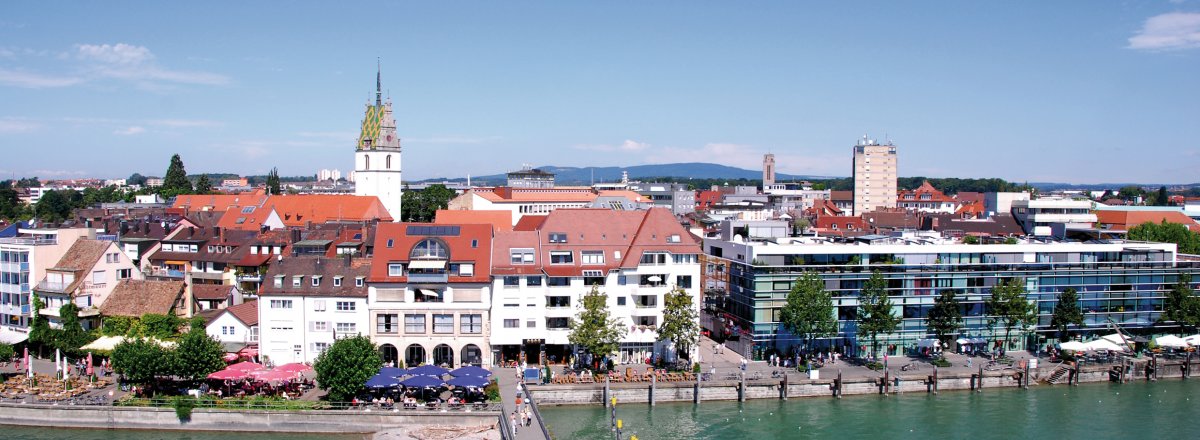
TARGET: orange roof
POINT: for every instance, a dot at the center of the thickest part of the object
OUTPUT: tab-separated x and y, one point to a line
501	220
301	209
556	194
529	223
467	244
1124	220
218	202
631	195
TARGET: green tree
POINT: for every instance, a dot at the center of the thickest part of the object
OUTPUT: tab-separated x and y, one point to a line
10	202
970	239
1008	307
422	206
594	328
1181	305
29	182
800	224
197	355
1187	242
71	336
53	206
140	360
117	325
1067	312
945	317
273	182
343	369
175	182
681	322
1131	193
1162	198
203	185
40	333
808	312
875	315
135	179
6	352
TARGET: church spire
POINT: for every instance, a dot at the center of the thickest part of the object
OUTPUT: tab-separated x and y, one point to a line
378	83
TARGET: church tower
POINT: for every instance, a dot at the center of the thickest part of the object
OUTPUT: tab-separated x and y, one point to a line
377	155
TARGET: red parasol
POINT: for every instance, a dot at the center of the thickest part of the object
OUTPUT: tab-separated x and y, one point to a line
229	374
245	366
90	370
273	375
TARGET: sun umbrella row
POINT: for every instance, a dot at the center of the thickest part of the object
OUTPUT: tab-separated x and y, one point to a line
252	370
429	376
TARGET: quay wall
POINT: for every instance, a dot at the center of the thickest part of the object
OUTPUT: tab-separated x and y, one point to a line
593	394
311	421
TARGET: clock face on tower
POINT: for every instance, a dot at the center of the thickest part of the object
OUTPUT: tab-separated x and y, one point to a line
389	138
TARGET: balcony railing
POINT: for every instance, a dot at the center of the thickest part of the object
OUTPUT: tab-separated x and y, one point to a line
47	286
427	277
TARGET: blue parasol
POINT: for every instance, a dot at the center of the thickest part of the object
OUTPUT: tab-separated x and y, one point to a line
428	370
392	371
422	382
468	381
471	370
382	381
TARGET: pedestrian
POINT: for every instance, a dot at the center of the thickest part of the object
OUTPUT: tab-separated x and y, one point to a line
512	421
528	418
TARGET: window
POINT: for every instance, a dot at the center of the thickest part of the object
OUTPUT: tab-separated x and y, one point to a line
533	280
472	324
389	243
561	257
279	281
358	281
654	258
318	305
511	323
387	323
346	327
558	301
337	281
474	243
684	281
620	300
281	304
557	323
520	256
530	323
466	269
673	238
558	281
98	277
685	258
414	323
395	270
651	321
429	248
512	281
443	323
296	281
124	274
316	281
558	237
320	326
346	306
320	347
592	257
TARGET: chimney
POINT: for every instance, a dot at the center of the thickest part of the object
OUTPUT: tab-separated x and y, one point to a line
191	231
346	257
216	232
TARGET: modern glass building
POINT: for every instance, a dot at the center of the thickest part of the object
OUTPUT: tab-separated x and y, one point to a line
1121	281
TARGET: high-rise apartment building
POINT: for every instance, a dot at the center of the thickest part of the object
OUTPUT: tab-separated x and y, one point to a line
874	176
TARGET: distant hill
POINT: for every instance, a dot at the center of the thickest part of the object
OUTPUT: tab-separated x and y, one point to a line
588	175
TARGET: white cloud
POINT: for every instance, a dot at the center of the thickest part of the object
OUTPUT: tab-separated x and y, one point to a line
10	125
130	131
627	146
1172	31
119	53
35	81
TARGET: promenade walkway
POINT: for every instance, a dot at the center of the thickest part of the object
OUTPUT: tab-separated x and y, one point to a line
506	378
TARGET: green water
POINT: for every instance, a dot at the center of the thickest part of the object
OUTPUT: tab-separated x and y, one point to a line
1169	409
24	433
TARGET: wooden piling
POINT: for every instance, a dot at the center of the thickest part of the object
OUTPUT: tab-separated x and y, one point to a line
742	388
653	385
837	392
606	391
935	380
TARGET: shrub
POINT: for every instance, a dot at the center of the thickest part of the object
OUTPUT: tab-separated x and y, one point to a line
6	352
696	368
492	390
874	366
941	362
183	407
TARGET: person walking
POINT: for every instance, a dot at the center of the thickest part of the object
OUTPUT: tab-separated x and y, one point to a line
512	421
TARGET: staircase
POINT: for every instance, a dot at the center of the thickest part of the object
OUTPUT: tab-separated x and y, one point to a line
1058	374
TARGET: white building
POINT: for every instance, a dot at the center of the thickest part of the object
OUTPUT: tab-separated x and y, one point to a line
1039	216
85	276
236	324
540	277
24	260
430	294
874	173
307	302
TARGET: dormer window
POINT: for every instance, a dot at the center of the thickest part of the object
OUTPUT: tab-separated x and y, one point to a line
558	237
316	280
429	248
358	281
337	281
296	280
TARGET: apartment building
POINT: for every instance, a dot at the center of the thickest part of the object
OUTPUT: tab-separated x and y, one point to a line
306	302
874	173
24	260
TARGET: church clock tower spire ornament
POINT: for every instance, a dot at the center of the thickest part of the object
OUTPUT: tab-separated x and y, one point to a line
377	154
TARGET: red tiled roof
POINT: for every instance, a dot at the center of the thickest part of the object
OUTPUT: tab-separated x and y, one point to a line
135	298
473	245
1125	220
246	312
501	220
297	210
218	202
211	292
529	223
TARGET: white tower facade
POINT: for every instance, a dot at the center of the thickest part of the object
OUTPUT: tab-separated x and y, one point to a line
377	155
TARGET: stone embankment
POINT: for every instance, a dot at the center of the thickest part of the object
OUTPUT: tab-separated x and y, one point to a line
923	382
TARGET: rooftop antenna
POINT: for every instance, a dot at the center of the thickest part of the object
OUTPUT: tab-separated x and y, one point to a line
378	83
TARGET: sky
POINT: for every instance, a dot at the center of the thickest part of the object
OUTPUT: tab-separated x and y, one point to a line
1067	91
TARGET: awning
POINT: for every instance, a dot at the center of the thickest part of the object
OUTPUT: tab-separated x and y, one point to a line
11	338
428	292
427	264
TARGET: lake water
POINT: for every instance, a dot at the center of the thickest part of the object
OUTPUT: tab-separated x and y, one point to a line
1167	409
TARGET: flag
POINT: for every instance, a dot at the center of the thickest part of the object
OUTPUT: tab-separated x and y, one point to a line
57	362
28	364
90	371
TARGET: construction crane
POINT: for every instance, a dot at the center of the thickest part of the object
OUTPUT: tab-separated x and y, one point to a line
1126	338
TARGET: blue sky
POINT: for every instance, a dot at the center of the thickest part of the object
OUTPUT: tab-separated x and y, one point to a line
1076	91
